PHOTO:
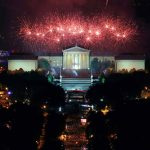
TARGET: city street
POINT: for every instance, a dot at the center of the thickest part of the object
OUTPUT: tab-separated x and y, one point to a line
75	133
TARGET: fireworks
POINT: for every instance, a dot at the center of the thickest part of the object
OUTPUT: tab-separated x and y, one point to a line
59	32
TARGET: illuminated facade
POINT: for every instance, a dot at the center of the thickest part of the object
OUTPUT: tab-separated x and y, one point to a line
76	58
26	63
129	62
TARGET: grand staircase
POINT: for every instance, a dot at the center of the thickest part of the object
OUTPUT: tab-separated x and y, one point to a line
75	79
75	83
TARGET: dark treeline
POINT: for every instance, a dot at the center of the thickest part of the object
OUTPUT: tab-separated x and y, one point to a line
126	126
34	86
118	88
54	127
21	127
96	132
98	66
22	124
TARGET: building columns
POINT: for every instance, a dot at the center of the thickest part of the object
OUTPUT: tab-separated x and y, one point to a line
76	60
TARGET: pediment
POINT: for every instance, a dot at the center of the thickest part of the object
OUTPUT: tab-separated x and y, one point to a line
76	49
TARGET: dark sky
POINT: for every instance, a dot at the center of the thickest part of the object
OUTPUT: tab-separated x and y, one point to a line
12	10
41	7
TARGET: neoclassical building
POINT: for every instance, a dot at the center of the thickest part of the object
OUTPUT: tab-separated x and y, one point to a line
76	58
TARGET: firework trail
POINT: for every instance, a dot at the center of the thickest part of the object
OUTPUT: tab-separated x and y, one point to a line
107	1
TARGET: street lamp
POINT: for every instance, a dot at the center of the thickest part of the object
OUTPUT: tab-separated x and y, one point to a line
60	74
91	76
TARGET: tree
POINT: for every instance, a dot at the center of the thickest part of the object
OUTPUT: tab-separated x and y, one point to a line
118	88
44	64
95	65
35	87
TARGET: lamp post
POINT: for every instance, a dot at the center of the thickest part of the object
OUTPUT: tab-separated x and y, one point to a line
60	75
91	76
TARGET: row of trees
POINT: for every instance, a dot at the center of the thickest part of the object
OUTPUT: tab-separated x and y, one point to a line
118	88
22	124
33	86
126	126
98	66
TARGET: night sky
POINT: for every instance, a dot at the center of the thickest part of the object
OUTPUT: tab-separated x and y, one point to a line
11	11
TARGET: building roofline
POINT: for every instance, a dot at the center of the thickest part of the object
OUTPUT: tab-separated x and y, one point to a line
130	57
77	47
22	57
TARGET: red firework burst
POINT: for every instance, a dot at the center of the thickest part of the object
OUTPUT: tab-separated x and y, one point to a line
58	32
